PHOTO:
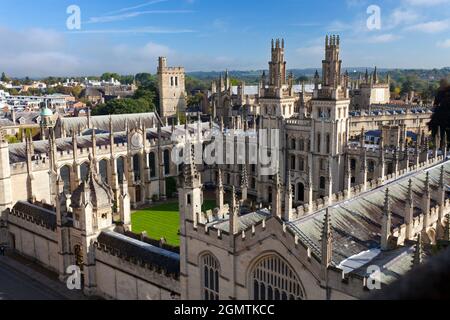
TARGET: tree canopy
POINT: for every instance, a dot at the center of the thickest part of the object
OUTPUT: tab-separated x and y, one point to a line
124	106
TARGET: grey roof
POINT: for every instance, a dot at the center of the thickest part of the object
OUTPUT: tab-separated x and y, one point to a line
357	223
245	220
39	214
141	251
102	122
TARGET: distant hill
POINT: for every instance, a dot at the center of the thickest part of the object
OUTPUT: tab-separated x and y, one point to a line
253	76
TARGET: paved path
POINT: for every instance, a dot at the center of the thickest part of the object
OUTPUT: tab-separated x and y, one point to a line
22	280
15	285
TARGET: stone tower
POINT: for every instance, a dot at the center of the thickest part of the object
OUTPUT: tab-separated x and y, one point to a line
172	89
330	125
277	66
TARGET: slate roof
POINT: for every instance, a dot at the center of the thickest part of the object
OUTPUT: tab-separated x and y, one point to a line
38	213
102	122
357	223
143	252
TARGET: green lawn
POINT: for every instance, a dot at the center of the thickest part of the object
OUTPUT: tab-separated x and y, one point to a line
162	221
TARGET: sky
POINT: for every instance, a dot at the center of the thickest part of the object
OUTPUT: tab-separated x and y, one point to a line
42	38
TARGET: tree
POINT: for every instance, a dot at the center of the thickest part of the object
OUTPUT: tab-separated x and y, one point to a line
145	79
108	75
124	106
5	78
441	116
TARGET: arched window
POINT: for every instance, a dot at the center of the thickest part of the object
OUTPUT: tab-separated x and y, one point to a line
300	192
137	167
302	145
319	145
293	165
166	162
103	167
322	183
210	277
84	168
371	166
65	176
293	144
152	164
120	169
328	143
301	164
273	279
353	164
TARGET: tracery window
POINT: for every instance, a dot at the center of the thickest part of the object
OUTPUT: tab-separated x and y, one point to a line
210	277
273	279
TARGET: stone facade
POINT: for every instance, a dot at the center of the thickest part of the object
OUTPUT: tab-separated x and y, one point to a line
172	90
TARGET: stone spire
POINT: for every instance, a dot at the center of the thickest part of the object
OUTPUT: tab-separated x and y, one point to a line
375	76
288	212
234	213
418	252
276	205
326	245
386	224
191	177
220	191
409	211
244	183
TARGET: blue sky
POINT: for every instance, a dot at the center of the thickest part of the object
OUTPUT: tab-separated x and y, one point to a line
127	36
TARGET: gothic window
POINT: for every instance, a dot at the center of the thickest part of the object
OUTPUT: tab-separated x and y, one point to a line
293	166
273	279
171	81
120	169
210	277
293	144
300	192
136	167
152	164
166	162
319	138
103	166
253	184
84	168
322	183
353	164
176	81
328	143
65	176
302	144
301	164
371	166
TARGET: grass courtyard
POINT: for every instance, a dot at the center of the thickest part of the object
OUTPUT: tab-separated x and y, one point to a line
162	220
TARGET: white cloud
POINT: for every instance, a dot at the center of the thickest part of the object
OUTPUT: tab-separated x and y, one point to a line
383	38
444	44
431	26
426	3
126	16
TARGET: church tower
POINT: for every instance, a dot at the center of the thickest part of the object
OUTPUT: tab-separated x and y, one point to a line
172	89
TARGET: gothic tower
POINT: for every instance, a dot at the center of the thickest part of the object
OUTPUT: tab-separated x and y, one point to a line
330	123
172	90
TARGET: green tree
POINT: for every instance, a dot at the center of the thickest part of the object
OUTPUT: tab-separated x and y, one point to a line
5	78
124	106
